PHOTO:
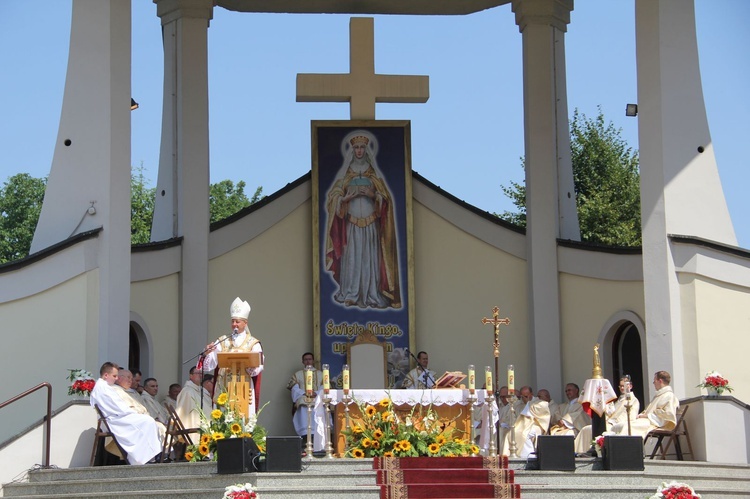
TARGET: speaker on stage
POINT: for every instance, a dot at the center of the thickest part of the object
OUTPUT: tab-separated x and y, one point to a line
237	455
556	452
283	454
623	453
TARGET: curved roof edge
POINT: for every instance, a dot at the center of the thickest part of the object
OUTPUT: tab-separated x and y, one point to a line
50	250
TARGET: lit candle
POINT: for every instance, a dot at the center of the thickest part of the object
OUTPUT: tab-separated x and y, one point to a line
488	379
326	381
511	379
472	379
309	381
345	378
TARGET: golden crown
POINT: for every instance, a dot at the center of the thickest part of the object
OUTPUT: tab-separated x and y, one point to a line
359	139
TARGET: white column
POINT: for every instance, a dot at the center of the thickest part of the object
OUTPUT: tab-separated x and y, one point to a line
89	181
550	197
181	208
680	188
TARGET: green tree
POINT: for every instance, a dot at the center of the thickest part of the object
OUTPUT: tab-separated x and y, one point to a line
607	184
20	205
142	199
226	199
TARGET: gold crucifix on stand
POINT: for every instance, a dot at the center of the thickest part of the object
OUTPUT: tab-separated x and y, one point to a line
496	322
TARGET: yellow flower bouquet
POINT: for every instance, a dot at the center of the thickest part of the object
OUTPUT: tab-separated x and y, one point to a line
224	422
418	432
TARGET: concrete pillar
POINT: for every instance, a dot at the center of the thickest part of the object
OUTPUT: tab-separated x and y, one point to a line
550	197
681	191
89	181
181	208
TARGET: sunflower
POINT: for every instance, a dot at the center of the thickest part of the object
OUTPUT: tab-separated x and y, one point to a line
375	444
440	440
384	403
370	411
388	454
404	445
189	456
378	434
216	413
433	448
246	435
203	449
474	449
217	436
222	399
205	438
387	416
366	443
236	428
358	430
358	453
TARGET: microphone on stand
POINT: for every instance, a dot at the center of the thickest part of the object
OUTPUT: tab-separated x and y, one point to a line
235	332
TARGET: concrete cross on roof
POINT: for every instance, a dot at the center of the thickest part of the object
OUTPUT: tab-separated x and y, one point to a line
361	87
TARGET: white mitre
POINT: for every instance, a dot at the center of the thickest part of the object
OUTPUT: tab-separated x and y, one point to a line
239	309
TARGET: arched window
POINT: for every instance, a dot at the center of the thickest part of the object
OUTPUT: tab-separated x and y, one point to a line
626	357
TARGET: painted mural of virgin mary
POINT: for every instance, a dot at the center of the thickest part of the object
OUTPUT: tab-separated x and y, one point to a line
361	251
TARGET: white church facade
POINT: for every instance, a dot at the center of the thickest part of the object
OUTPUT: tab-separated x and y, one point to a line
680	303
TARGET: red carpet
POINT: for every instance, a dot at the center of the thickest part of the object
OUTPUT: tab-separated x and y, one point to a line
445	477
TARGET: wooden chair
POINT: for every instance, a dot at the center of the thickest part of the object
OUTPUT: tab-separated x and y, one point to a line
672	436
176	432
102	432
368	361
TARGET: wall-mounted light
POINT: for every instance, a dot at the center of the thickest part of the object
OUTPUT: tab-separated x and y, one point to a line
631	110
133	104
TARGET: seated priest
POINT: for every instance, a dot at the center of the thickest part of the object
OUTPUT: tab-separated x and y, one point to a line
615	412
572	417
193	400
660	414
530	423
420	378
137	434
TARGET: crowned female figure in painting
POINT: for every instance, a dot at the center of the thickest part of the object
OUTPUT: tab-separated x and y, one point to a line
361	246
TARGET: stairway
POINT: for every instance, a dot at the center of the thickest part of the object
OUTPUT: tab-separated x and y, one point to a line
355	479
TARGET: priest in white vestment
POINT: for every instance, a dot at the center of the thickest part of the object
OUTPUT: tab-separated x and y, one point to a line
661	412
296	386
192	400
572	417
530	423
137	434
241	340
155	409
420	378
616	413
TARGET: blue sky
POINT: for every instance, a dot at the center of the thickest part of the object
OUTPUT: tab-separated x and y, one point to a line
467	138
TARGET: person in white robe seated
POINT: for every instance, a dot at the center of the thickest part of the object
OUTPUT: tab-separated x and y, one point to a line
530	423
615	412
420	378
171	399
296	387
572	417
553	406
124	389
241	340
660	414
193	400
155	409
137	434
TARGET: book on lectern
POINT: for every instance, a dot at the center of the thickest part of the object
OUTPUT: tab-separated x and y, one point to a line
450	379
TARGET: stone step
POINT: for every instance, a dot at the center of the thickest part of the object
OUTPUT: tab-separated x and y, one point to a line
615	492
370	492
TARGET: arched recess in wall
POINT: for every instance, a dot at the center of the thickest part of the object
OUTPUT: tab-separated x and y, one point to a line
140	345
624	351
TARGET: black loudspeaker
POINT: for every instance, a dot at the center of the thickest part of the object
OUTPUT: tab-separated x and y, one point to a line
556	452
284	454
623	453
236	455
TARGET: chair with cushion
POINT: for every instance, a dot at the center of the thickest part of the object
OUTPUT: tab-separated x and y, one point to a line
103	432
368	362
672	436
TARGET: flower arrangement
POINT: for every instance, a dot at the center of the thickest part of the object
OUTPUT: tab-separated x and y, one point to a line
598	443
224	422
716	381
383	433
81	382
240	491
675	490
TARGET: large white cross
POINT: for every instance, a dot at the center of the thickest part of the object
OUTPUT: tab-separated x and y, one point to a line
361	87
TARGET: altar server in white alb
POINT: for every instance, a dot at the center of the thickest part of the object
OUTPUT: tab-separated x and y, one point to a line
661	412
296	386
240	340
137	434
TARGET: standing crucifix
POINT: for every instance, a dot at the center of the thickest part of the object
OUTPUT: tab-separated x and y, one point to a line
362	87
496	322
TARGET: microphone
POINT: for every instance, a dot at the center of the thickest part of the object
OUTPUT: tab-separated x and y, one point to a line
235	332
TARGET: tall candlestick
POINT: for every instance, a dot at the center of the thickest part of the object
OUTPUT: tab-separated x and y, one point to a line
309	380
488	379
345	378
511	379
472	379
326	380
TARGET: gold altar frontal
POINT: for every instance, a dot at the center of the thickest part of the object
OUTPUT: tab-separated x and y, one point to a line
456	416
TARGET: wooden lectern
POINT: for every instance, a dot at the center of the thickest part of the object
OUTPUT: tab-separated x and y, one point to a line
236	379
